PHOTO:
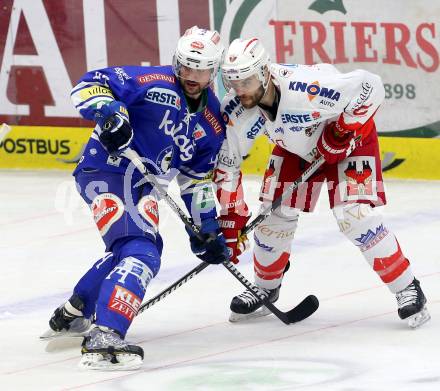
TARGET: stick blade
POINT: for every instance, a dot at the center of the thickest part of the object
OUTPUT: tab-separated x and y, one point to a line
304	309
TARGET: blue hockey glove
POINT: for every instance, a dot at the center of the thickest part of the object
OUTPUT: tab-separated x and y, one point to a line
213	247
116	132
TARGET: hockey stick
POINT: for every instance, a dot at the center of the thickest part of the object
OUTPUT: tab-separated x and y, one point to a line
261	217
173	287
303	310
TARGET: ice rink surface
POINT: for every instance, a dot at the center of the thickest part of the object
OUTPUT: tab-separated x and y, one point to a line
354	342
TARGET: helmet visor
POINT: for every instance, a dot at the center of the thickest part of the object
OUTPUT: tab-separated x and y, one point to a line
195	74
243	86
198	75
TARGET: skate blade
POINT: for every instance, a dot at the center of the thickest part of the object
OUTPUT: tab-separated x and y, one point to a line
418	319
51	334
99	362
78	328
235	317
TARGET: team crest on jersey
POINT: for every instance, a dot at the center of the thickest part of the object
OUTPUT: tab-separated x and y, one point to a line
107	208
163	96
198	132
148	209
164	159
358	173
283	72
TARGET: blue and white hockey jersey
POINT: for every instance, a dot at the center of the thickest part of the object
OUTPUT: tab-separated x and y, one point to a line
165	131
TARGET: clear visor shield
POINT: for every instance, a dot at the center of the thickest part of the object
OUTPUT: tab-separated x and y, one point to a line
243	86
202	76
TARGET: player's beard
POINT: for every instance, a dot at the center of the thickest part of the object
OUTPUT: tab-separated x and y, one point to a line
192	88
251	100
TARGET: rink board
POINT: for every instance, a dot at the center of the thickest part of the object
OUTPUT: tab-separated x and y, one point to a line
44	147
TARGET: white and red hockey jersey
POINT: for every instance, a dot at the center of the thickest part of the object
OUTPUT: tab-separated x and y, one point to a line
310	98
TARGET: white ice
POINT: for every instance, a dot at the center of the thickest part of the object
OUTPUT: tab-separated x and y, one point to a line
354	342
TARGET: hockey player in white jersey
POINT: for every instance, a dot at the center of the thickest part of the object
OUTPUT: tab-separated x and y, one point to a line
307	111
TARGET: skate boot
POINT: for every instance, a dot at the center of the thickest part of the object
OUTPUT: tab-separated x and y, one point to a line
246	306
68	320
105	350
411	302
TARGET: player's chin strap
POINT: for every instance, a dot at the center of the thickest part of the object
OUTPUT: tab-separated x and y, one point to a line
303	310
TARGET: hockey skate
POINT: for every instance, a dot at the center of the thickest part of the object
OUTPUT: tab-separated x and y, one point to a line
246	306
68	321
103	349
411	302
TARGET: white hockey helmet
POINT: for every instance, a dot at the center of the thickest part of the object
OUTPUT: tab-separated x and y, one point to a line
245	58
198	49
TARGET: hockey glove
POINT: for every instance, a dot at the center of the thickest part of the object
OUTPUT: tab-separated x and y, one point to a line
231	226
116	132
336	141
213	247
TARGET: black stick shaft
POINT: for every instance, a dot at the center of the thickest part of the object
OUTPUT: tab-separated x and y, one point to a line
200	267
173	287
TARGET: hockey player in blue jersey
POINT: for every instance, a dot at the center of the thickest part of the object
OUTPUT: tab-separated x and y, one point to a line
170	116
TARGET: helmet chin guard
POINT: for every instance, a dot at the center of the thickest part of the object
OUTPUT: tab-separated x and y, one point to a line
198	49
245	58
